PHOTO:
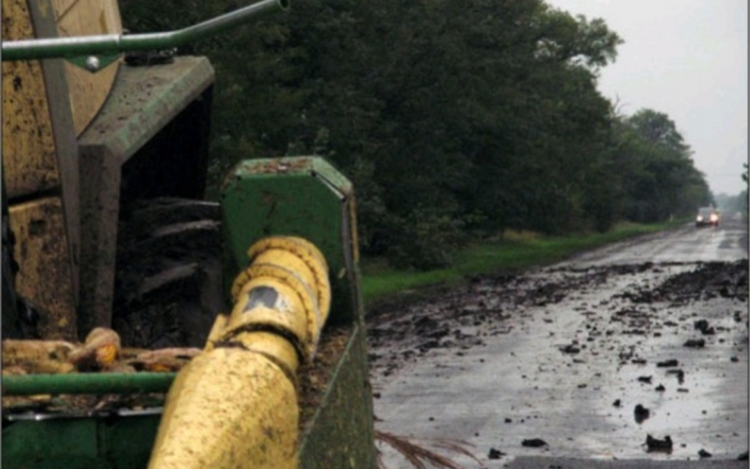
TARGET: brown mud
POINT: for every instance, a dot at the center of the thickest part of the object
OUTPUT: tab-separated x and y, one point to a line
457	319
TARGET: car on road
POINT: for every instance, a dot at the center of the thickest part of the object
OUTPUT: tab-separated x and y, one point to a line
707	216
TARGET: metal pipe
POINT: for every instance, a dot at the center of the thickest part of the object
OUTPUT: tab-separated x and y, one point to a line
236	405
87	383
33	49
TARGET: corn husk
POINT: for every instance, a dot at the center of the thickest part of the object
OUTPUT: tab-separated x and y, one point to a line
167	359
100	350
21	351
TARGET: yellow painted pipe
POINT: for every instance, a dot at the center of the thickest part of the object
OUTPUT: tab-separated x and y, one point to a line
230	409
308	253
235	405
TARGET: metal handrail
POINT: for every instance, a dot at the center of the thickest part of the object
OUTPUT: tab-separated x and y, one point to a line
66	47
87	383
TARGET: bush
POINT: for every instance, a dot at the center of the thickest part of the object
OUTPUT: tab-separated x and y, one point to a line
425	239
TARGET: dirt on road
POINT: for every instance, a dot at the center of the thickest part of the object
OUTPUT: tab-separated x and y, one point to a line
460	319
597	361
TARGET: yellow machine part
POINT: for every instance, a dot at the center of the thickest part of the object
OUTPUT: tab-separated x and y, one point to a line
30	167
235	405
28	147
45	274
247	315
316	271
35	168
88	91
232	409
29	160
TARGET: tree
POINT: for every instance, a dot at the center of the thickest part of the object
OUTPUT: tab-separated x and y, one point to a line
658	178
453	119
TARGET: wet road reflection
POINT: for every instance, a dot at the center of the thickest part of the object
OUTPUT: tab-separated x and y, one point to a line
548	354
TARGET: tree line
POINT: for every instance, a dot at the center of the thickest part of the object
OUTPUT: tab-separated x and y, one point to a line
735	203
454	120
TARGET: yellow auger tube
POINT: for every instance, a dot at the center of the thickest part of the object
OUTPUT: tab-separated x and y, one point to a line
235	405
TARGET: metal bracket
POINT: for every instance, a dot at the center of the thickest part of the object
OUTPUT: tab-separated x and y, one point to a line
93	63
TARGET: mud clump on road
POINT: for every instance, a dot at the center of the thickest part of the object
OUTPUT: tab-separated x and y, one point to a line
607	340
641	413
659	445
709	280
695	343
534	443
492	305
495	454
668	363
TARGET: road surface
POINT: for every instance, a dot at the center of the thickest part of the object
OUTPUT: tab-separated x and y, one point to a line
546	369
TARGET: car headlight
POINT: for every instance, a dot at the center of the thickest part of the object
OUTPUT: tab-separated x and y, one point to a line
700	218
714	217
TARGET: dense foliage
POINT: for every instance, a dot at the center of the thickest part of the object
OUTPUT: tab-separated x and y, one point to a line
453	119
736	203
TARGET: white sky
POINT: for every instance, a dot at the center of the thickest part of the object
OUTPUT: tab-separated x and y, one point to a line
687	59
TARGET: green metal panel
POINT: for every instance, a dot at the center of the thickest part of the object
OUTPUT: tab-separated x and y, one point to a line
341	434
129	440
79	443
307	197
87	383
143	102
303	196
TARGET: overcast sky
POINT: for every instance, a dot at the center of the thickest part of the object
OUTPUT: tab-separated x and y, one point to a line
687	59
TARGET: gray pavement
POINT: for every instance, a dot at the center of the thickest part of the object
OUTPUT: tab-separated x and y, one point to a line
566	463
555	369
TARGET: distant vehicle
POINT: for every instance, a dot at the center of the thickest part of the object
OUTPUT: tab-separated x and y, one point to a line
707	216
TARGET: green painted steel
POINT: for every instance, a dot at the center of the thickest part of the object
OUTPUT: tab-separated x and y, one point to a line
301	196
307	197
342	434
87	383
144	103
32	49
79	443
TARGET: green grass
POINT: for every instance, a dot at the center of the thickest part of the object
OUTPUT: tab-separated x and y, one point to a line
513	252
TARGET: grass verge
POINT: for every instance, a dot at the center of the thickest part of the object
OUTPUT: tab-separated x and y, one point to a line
513	252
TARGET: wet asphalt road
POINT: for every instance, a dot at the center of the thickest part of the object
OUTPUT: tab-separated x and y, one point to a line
564	355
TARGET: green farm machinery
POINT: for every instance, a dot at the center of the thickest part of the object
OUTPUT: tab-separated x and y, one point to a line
252	305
